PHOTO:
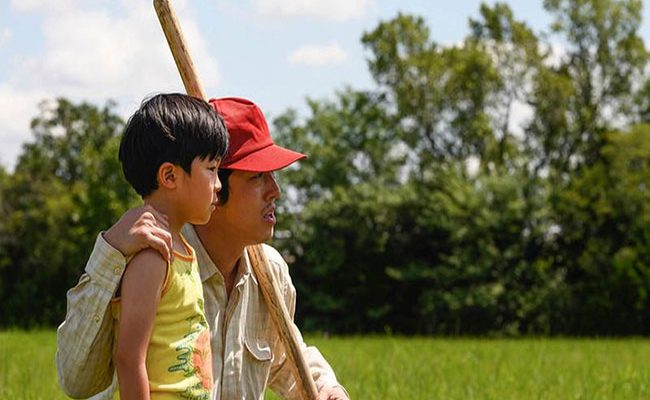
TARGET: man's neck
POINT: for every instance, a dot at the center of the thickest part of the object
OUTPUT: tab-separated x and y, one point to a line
224	252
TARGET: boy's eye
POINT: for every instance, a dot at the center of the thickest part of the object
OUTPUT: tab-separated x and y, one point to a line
214	166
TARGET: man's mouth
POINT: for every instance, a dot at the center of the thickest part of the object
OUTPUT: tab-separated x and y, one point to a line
269	215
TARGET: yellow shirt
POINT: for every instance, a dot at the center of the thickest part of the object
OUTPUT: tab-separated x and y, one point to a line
179	362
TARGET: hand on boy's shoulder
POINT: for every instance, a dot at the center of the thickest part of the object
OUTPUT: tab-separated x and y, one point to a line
138	229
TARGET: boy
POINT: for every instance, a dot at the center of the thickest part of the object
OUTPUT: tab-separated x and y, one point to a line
170	153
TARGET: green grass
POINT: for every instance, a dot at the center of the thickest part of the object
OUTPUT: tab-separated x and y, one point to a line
424	368
27	365
412	368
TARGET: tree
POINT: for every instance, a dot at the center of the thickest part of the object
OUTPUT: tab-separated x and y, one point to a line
422	208
67	186
592	90
440	94
423	243
604	240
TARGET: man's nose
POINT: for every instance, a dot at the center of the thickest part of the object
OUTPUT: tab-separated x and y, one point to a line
273	190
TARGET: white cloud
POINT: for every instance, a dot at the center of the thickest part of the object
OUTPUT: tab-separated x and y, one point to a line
318	55
41	5
520	115
92	52
472	165
5	36
337	10
557	54
17	108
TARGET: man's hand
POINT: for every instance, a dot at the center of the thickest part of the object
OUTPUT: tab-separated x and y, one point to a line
332	393
138	229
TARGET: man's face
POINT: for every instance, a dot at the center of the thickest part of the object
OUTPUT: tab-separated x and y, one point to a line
249	213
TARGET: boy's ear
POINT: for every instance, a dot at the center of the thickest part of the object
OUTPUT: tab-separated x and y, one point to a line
168	175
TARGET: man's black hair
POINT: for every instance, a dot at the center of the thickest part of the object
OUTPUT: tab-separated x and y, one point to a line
224	175
173	128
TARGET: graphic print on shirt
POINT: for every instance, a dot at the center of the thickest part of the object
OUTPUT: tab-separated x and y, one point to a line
194	358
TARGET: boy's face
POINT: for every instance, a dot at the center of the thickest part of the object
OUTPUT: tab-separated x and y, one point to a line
249	213
199	190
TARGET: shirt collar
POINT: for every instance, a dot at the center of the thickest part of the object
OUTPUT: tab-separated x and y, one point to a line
207	267
245	262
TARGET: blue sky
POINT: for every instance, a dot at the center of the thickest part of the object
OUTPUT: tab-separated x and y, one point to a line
275	52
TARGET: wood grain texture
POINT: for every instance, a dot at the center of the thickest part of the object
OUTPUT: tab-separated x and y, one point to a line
177	45
280	315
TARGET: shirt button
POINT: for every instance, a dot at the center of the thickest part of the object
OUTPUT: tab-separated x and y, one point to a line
96	318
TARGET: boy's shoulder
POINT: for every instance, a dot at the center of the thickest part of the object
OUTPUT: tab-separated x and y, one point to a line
146	264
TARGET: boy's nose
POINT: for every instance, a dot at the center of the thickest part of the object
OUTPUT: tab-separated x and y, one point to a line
217	185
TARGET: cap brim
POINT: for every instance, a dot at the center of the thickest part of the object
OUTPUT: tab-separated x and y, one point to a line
270	158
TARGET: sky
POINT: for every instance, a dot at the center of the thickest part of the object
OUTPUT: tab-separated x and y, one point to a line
274	52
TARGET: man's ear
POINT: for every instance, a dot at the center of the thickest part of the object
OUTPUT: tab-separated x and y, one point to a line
168	175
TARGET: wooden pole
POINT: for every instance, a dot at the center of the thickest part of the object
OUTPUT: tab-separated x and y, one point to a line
181	53
280	315
260	264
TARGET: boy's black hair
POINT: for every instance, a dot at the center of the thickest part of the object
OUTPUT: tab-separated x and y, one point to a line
173	128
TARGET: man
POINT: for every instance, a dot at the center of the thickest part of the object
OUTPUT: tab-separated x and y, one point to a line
247	354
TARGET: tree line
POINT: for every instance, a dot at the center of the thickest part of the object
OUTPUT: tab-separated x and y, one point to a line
498	186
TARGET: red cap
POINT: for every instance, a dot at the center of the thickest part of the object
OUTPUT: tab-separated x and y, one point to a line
251	147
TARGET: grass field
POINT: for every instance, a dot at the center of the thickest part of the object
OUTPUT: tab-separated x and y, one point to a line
412	368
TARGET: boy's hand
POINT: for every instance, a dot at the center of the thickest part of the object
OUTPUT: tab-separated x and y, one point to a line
138	229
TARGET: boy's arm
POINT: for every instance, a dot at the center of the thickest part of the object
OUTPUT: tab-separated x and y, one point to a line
85	338
141	288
